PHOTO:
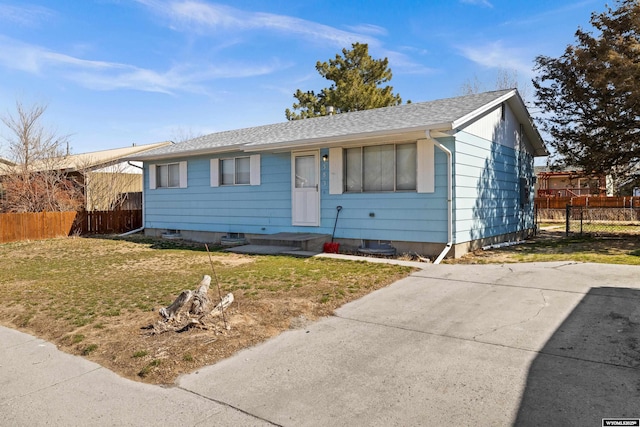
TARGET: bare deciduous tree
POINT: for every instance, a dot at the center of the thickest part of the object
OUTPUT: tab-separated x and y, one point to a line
181	134
505	79
106	189
36	182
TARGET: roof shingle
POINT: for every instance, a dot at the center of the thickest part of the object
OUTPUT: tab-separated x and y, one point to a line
423	115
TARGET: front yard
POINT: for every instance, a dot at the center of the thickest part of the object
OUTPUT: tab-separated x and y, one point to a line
94	297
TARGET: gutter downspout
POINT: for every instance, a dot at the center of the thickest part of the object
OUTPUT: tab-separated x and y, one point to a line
137	230
449	198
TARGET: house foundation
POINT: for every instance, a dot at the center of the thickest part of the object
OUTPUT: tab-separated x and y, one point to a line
311	242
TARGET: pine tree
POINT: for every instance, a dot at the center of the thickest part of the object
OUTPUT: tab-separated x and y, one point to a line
357	80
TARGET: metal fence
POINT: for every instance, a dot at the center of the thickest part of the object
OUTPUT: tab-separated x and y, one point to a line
602	220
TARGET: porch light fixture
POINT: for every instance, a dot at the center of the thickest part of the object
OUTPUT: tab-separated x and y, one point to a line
325	157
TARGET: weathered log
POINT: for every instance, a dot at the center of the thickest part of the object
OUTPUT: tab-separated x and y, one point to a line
191	309
171	311
194	302
200	302
222	305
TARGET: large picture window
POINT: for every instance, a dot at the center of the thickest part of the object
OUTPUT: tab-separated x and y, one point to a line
236	171
378	168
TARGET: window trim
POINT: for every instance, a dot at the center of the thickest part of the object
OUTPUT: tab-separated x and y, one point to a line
395	169
154	175
235	171
215	172
425	168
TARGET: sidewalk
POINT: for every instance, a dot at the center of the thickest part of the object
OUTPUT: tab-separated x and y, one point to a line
40	385
499	345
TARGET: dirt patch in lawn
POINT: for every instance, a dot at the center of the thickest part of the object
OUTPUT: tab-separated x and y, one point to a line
97	297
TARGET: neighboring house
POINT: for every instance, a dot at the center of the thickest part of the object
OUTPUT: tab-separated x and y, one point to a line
455	173
4	165
104	177
569	183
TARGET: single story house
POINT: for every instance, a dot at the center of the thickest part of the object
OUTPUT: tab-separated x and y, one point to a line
435	178
104	178
109	181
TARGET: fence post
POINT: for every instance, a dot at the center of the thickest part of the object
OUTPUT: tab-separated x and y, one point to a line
566	217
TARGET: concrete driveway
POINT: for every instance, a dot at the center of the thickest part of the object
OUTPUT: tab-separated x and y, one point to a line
523	344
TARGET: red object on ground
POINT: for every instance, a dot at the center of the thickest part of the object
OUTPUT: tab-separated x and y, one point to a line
331	248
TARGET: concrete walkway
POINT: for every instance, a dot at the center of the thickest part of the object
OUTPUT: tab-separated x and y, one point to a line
523	344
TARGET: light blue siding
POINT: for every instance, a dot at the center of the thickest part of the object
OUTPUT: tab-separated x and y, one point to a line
266	209
486	199
487	189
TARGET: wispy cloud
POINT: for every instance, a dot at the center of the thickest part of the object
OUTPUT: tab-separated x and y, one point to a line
553	13
27	16
483	3
196	16
21	56
368	29
401	63
210	19
101	75
497	55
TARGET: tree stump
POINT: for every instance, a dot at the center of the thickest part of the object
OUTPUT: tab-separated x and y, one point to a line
191	308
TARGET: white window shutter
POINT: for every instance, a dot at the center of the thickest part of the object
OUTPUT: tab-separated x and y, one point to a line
426	166
152	177
183	174
336	171
255	169
215	172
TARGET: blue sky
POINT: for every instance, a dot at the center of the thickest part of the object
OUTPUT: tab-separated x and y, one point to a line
117	72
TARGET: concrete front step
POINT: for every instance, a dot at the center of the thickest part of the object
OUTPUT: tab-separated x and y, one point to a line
272	250
303	241
263	249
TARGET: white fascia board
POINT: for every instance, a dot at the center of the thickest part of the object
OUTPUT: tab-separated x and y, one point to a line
310	143
486	107
520	110
190	153
522	113
324	142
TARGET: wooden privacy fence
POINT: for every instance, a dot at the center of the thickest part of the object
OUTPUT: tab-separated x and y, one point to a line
34	226
45	225
108	222
587	201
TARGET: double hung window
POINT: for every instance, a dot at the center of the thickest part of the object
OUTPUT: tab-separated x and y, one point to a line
229	171
168	175
236	171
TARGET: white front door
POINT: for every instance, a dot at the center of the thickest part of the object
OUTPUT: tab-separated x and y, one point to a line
305	191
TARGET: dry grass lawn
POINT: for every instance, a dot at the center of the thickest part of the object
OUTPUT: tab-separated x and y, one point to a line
553	245
95	296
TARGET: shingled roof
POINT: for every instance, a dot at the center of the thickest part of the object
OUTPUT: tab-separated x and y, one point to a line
443	114
84	161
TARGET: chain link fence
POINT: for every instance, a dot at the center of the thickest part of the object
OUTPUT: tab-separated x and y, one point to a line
602	220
